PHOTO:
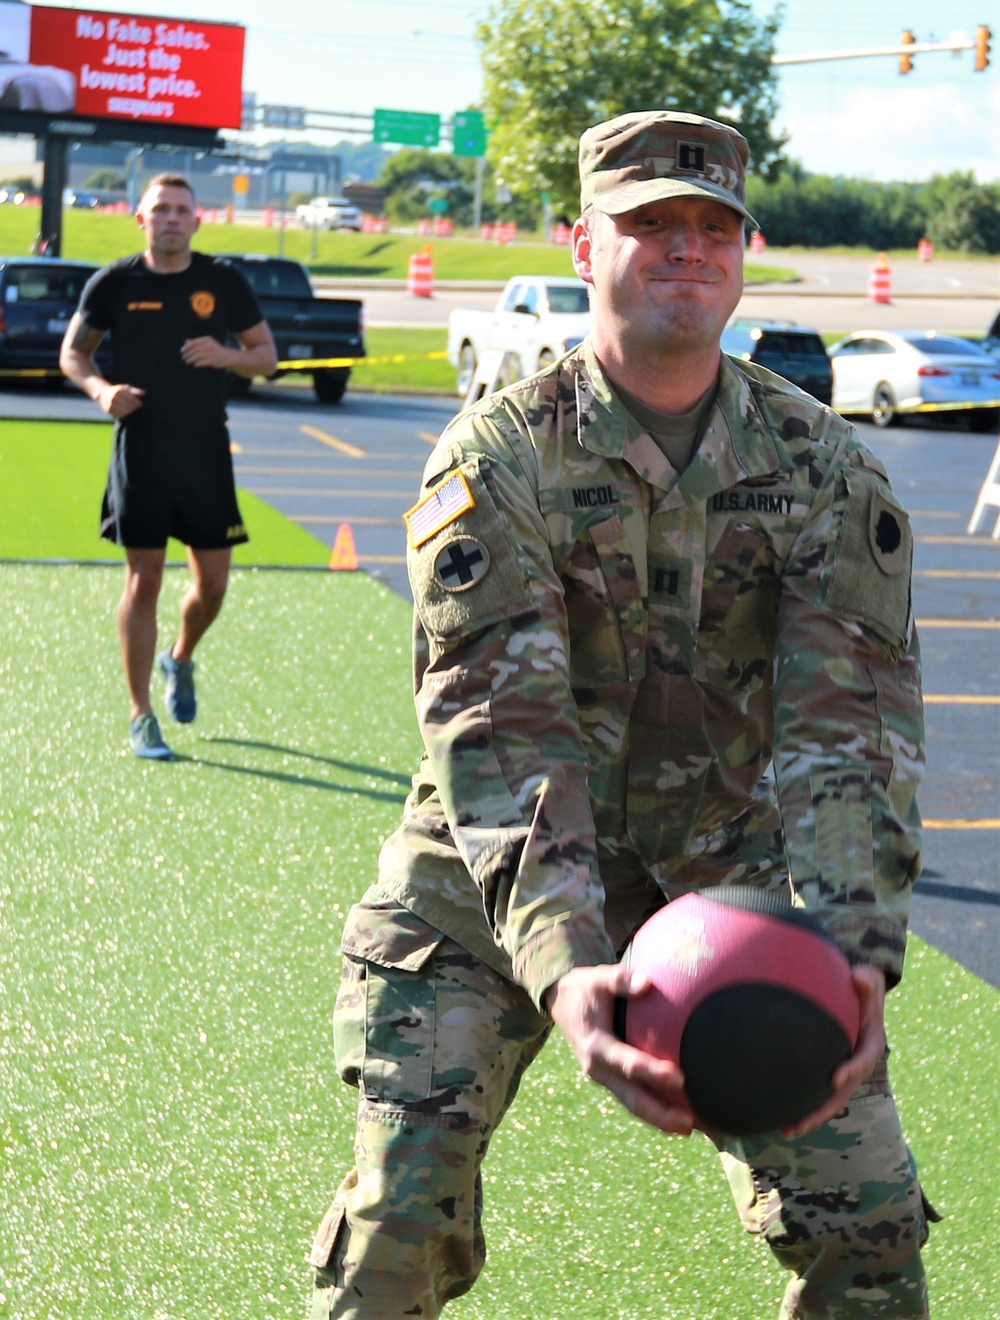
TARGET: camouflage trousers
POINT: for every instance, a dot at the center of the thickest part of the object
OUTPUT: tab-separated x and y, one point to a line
437	1042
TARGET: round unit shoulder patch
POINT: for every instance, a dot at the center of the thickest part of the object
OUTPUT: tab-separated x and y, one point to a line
203	303
888	535
461	563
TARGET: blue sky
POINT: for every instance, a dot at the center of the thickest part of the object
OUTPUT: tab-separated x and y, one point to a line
857	117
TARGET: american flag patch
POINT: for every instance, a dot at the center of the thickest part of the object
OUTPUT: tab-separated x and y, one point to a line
438	508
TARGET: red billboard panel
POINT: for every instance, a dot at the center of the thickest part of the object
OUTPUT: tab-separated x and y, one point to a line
142	69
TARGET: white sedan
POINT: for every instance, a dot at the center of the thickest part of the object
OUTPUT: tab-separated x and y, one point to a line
884	373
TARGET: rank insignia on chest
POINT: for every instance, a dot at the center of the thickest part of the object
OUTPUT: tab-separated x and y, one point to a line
461	564
438	509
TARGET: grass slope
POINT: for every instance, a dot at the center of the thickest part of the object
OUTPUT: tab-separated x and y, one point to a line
52	475
90	236
419	372
171	1124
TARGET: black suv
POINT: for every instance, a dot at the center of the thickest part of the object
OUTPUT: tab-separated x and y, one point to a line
783	347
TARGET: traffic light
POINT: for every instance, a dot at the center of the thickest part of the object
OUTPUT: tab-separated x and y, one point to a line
906	38
982	47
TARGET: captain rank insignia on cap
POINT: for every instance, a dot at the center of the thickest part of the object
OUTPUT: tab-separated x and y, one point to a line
438	509
691	157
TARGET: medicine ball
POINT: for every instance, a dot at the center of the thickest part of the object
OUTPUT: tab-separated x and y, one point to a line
751	998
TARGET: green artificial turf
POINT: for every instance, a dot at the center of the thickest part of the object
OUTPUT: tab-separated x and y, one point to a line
52	477
171	1124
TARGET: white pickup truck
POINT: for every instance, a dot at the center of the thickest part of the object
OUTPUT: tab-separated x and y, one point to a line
328	213
536	319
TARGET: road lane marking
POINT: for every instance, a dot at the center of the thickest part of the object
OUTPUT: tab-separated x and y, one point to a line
382	559
341	446
277	470
986	824
393	454
950	514
930	539
319	518
958	623
294	449
986	575
300	492
429	436
941	699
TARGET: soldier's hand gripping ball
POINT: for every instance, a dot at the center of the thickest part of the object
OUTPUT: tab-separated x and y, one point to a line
751	998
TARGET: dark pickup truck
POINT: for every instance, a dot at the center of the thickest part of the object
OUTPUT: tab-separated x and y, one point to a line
38	295
305	328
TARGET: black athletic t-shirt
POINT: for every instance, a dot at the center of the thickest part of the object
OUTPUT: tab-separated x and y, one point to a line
150	315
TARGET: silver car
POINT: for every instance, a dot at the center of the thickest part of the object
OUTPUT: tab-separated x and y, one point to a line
884	373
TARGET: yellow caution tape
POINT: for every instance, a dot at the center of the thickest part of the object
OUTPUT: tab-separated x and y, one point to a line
307	364
953	407
311	364
292	364
935	407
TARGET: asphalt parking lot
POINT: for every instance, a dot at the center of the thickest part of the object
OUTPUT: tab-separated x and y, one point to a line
364	467
360	464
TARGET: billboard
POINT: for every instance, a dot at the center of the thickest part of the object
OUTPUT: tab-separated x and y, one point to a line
128	67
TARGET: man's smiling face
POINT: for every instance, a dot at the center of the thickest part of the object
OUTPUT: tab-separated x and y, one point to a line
667	274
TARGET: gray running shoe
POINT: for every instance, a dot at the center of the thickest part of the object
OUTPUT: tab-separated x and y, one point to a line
180	696
147	740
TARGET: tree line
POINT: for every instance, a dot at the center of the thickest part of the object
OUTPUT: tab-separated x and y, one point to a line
798	209
794	209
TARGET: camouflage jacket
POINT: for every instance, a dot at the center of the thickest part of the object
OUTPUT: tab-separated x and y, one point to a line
631	684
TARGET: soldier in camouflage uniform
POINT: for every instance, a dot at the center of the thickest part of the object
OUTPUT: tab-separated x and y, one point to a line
663	641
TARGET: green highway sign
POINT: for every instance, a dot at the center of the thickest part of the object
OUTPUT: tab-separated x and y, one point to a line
468	130
408	128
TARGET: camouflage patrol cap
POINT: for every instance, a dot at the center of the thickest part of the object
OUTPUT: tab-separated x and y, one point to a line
652	155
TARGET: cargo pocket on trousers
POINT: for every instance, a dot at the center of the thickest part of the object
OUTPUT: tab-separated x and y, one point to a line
321	1257
384	1023
931	1216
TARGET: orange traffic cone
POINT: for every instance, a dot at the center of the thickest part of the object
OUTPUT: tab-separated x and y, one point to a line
344	555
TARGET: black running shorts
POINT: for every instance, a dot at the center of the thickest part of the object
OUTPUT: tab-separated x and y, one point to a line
159	486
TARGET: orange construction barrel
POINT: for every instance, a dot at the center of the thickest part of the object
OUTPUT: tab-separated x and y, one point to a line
880	281
420	276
